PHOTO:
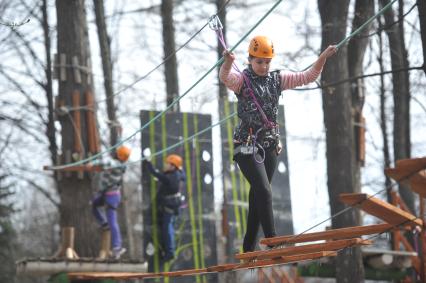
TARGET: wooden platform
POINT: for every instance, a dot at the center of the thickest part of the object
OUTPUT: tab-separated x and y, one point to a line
50	266
332	234
304	249
381	209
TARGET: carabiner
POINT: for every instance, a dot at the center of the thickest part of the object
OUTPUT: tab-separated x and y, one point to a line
214	23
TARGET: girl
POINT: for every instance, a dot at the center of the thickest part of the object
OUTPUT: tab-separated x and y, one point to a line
256	138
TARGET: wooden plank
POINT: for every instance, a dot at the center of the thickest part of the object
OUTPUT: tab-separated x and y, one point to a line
189	272
284	260
406	167
418	183
110	275
91	129
186	272
62	69
76	69
381	209
304	249
223	267
334	234
86	168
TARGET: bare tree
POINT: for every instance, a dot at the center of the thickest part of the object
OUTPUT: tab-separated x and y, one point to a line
169	46
401	94
337	106
421	7
75	192
357	45
105	46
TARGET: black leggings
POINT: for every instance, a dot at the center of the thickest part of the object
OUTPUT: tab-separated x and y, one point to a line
260	197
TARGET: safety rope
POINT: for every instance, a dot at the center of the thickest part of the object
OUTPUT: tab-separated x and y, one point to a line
174	102
164	61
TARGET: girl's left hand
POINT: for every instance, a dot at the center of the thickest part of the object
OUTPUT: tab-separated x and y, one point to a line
330	51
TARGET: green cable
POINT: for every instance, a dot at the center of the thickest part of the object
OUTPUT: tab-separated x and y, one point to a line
232	172
358	30
199	196
180	142
220	61
154	210
190	199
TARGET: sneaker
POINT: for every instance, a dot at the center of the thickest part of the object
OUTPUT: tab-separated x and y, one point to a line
105	227
117	252
168	257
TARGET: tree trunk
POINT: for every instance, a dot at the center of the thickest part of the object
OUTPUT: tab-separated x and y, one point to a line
104	44
383	115
401	96
337	106
421	7
172	84
364	9
75	193
50	127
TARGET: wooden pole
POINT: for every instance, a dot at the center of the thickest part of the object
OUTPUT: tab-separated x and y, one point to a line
77	129
105	244
90	122
67	245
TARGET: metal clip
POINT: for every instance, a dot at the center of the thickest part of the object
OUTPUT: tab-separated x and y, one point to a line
214	23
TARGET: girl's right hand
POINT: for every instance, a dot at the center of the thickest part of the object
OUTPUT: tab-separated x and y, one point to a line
229	57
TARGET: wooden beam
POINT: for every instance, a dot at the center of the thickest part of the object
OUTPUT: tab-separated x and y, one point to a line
86	168
405	168
418	183
334	234
381	209
300	250
90	118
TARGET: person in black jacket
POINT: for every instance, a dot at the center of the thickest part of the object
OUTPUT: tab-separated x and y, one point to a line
169	199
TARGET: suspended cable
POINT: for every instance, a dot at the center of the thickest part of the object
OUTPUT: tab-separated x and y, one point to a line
162	63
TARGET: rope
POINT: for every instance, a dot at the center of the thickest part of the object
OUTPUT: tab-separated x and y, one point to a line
175	101
163	62
358	30
14	25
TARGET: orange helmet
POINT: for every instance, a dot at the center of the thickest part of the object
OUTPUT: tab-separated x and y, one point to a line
174	159
261	47
123	152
